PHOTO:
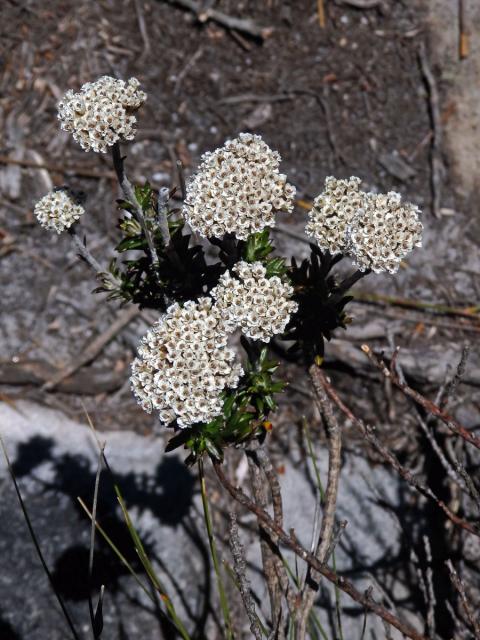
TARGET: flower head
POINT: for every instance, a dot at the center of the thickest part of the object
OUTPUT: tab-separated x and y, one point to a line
259	306
57	211
237	189
184	365
376	230
384	232
332	213
101	113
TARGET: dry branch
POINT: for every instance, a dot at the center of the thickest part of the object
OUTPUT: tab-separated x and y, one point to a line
461	590
328	521
292	543
240	570
436	164
391	459
427	404
268	545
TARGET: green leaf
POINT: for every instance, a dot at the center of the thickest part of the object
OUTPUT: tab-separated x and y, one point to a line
128	244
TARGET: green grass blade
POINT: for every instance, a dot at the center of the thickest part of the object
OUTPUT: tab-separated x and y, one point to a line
117	551
213	552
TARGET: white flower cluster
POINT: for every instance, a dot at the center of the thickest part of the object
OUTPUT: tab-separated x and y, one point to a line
259	306
184	364
237	189
102	112
332	213
384	232
377	230
57	211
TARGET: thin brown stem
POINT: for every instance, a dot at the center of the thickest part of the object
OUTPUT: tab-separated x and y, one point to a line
461	590
240	569
277	504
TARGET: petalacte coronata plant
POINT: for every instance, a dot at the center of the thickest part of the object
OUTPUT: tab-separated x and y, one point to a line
227	311
188	369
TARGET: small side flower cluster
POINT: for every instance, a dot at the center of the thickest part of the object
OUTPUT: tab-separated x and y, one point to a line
57	211
102	112
184	364
332	213
259	306
377	230
237	189
384	232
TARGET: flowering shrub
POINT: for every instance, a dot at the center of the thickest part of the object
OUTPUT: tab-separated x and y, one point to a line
184	370
184	365
260	306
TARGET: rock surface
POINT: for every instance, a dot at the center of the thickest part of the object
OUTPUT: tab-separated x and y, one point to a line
55	461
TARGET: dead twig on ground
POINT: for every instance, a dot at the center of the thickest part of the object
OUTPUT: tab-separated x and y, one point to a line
419	305
436	164
462	325
36	373
56	168
369	435
327	528
240	570
463	31
427	404
243	25
142	27
191	63
321	13
256	97
292	543
94	348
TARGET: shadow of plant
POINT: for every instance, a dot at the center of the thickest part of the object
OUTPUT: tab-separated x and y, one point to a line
167	494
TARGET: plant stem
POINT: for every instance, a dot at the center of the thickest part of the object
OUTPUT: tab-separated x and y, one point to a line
129	193
89	259
213	551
